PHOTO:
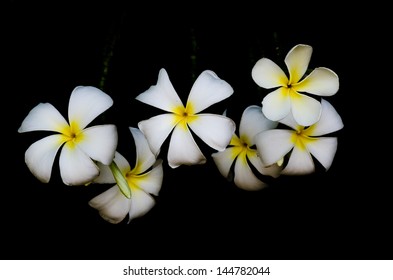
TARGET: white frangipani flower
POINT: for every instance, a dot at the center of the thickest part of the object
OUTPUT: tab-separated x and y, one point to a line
143	180
302	142
241	150
81	146
288	96
214	130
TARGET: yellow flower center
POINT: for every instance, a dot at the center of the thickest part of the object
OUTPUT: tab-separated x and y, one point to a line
72	134
301	138
184	115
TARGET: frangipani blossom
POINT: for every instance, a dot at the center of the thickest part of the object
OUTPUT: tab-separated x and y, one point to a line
144	179
214	130
80	146
241	151
301	143
288	96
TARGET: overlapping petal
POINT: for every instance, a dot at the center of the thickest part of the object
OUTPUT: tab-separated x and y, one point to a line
207	90
252	122
100	142
297	61
330	121
156	130
43	117
245	178
106	175
225	159
214	130
150	181
277	104
162	95
183	149
305	110
273	170
40	156
268	74
324	150
112	205
141	203
86	103
321	81
273	145
144	157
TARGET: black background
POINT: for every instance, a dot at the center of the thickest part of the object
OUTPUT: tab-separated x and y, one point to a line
50	49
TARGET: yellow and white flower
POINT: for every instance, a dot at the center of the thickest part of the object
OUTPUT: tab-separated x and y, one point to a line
288	96
80	146
241	151
214	130
301	143
143	180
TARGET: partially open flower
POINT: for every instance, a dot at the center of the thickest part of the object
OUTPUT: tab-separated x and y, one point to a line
214	130
81	146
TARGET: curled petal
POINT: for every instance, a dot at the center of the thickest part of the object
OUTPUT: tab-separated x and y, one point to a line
214	130
76	167
297	61
156	130
40	156
268	74
162	95
244	177
106	175
252	122
144	156
225	159
306	110
150	181
273	170
273	145
183	149
86	103
141	203
112	205
207	90
321	81
300	163
324	150
43	117
100	142
330	121
276	105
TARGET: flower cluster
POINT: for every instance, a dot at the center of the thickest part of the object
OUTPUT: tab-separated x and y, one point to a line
281	137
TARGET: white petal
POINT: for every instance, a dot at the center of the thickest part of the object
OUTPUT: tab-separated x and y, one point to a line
162	95
330	121
306	110
324	150
245	178
112	205
214	130
183	149
43	117
207	90
276	105
297	61
86	103
299	163
141	203
268	74
254	121
106	175
100	142
290	121
40	156
76	168
156	130
151	181
273	170
273	145
144	157
224	160
321	81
